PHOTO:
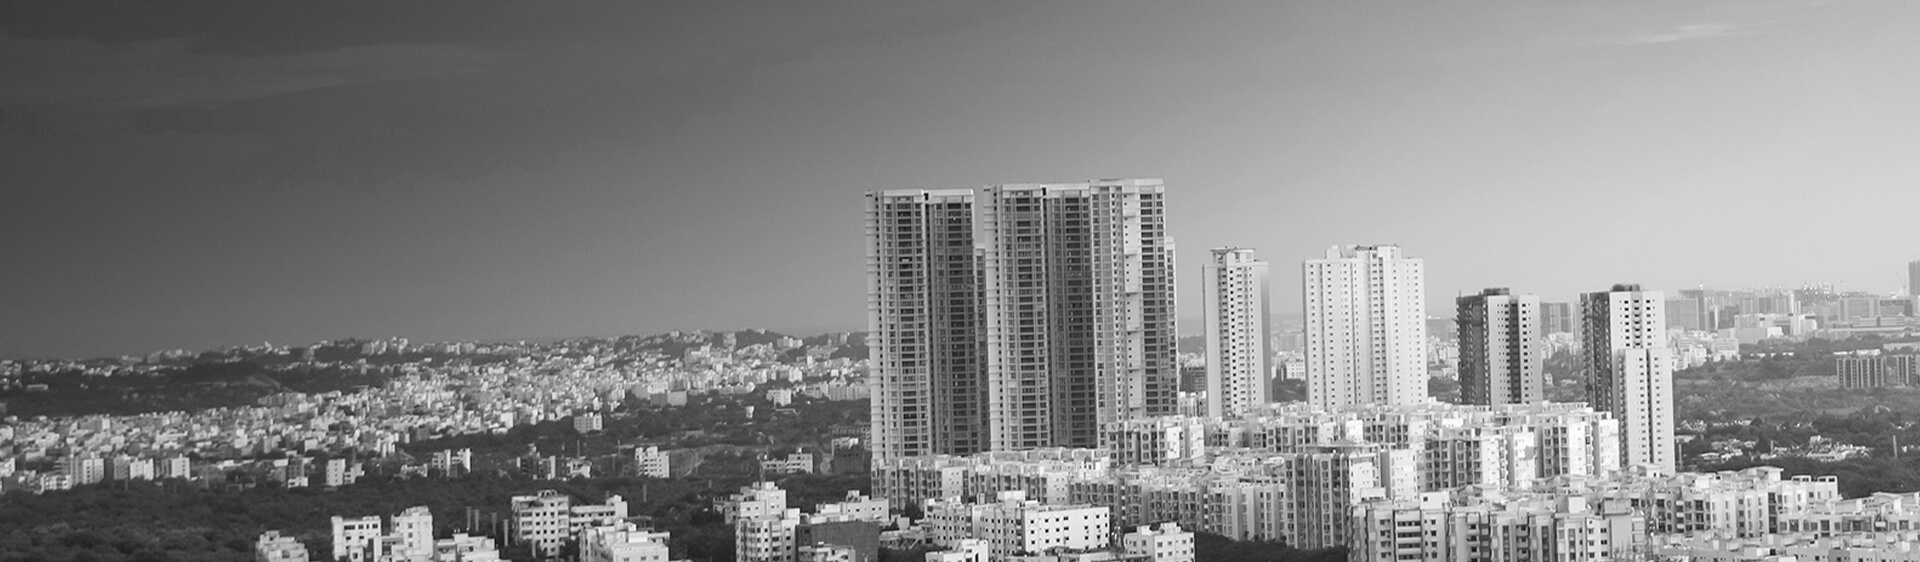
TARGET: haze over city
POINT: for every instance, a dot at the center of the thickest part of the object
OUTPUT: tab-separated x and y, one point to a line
198	177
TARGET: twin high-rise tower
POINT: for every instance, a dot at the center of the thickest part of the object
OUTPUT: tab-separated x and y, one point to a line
1624	354
1629	369
1017	316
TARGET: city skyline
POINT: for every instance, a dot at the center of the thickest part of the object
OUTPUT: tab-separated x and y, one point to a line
513	173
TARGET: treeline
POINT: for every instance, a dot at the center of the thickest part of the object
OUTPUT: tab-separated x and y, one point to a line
195	387
1858	477
175	522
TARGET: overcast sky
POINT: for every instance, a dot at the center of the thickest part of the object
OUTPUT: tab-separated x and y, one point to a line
204	174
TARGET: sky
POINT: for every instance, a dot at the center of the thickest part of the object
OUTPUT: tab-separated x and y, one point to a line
194	175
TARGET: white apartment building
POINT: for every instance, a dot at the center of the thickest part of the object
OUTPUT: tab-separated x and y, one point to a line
857	506
580	517
1630	370
585	422
1747	503
963	550
357	539
1155	440
823	552
754	500
1864	546
1365	327
544	520
1500	349
1165	543
1235	300
796	462
452	462
462	547
767	537
622	543
175	467
1882	511
86	469
1441	528
274	547
1016	525
652	462
410	536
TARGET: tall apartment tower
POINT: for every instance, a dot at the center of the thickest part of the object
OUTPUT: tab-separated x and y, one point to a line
1913	278
1629	369
1017	316
923	322
1236	315
1500	361
1078	297
1365	327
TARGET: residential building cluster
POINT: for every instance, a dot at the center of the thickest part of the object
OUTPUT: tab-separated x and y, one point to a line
767	530
435	391
541	523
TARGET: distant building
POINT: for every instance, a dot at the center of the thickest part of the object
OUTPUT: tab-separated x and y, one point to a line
622	543
274	547
86	469
465	548
1557	318
453	462
652	462
766	538
754	500
860	537
796	462
1913	278
1877	371
174	467
587	422
857	506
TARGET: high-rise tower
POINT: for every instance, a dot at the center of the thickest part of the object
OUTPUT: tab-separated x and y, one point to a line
1017	316
923	324
1629	369
1365	327
1913	278
1500	337
1078	284
1236	316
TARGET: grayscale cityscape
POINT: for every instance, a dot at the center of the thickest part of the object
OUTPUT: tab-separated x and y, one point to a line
832	282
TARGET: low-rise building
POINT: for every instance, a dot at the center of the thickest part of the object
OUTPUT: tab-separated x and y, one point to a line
275	547
1165	543
651	462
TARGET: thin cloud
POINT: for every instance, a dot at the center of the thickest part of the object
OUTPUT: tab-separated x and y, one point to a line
1689	32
